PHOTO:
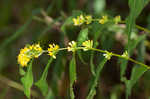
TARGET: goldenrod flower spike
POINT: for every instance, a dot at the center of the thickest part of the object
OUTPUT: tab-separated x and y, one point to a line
117	19
72	46
52	50
107	55
29	52
87	44
103	20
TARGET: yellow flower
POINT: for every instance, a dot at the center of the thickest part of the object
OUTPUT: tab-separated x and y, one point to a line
38	50
79	20
23	59
29	52
52	50
76	21
87	44
103	20
88	19
117	19
72	46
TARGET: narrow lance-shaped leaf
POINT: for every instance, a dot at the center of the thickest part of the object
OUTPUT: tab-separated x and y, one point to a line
42	83
92	91
27	80
72	75
83	35
137	70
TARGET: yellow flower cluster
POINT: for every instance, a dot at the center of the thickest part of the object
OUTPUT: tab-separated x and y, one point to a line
81	19
52	50
29	52
34	51
87	44
88	19
103	20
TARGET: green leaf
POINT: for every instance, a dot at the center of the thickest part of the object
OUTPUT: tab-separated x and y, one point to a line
136	6
83	35
137	70
96	78
42	83
72	75
27	80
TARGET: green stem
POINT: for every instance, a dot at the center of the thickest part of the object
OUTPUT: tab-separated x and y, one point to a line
113	54
44	76
120	56
139	27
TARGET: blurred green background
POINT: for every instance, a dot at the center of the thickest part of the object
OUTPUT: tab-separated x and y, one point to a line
40	21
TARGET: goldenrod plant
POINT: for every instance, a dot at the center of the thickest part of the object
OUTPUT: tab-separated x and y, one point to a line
34	51
75	49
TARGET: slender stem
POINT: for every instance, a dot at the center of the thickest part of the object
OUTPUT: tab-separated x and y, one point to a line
113	54
139	27
120	56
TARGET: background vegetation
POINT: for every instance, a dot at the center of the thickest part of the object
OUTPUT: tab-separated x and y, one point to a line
50	21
